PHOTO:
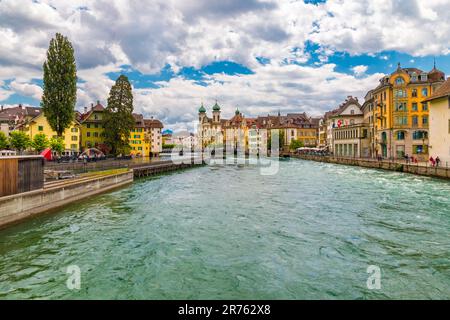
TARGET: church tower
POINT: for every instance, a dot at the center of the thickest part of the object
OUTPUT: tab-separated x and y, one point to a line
216	113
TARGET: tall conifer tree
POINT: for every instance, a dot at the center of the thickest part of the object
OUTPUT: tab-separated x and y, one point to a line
118	120
60	84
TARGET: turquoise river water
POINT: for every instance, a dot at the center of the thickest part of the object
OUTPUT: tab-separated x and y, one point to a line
308	232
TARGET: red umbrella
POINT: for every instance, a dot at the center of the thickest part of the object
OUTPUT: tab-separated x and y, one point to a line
47	153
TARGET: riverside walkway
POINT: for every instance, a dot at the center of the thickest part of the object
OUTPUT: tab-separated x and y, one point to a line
422	168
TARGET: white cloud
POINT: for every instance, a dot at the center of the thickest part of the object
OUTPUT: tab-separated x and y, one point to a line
27	89
359	70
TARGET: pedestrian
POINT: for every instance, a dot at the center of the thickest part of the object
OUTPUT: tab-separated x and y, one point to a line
438	161
432	161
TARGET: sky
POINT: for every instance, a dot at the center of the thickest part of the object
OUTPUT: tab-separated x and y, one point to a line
261	56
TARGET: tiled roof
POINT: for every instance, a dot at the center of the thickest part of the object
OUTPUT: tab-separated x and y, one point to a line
153	123
10	114
441	92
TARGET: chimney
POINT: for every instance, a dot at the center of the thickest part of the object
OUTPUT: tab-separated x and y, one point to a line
98	102
92	106
2	108
20	106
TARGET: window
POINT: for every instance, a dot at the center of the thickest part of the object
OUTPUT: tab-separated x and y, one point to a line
74	130
352	122
424	92
41	128
96	125
400	93
96	134
415	107
424	106
399	81
401	121
352	112
415	121
419	135
88	134
414	93
74	138
88	125
425	120
423	77
401	135
400	106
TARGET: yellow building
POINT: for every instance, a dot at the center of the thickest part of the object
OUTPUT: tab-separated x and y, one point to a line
401	112
92	127
39	125
139	140
440	124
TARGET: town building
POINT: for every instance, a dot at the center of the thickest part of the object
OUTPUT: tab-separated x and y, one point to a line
440	123
138	140
402	112
153	130
92	128
40	125
11	117
350	133
145	138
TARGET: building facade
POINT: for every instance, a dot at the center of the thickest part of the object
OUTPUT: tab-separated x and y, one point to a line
92	127
40	125
402	113
440	124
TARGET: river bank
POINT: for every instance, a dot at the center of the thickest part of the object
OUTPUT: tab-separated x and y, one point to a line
59	193
397	166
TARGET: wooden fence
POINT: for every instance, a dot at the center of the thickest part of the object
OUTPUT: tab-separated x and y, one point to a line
21	174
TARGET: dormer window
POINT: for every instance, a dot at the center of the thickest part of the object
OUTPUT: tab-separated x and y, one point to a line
423	77
414	77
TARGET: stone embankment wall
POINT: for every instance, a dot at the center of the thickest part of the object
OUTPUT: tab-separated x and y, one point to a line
440	172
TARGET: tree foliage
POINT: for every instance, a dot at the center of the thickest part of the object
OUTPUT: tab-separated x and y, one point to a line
19	140
3	141
57	145
40	142
295	144
118	119
60	84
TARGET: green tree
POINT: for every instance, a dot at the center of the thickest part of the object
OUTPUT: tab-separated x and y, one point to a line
40	142
57	145
60	84
295	144
19	140
3	141
118	119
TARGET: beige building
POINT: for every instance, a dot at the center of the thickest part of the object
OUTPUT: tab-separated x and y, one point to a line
350	133
440	124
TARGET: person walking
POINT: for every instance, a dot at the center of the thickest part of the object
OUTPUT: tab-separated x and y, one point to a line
438	161
432	161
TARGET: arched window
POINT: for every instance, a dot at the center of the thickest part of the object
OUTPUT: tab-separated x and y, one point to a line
399	81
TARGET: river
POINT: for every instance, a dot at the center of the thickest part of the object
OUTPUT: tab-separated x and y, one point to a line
308	232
